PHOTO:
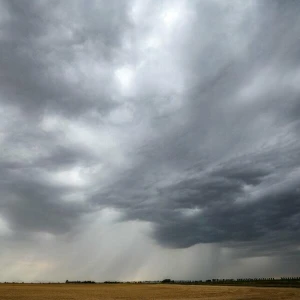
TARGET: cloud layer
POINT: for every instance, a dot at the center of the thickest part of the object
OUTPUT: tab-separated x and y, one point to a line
181	116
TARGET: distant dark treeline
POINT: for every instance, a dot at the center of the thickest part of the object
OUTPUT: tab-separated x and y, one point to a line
276	282
80	282
260	282
235	281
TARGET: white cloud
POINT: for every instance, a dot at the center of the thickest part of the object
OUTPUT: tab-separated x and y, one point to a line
125	77
4	227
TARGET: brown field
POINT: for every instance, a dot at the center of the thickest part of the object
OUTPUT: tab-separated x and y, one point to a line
136	291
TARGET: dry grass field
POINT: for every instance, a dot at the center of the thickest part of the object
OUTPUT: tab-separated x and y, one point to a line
130	291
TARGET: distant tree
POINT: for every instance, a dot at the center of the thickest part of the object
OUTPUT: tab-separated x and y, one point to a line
166	280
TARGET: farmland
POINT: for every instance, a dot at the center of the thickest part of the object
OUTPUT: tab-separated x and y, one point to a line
143	291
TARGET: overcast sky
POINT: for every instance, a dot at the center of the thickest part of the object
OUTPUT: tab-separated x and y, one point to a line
149	139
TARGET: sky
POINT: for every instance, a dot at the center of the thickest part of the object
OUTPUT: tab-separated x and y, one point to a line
143	140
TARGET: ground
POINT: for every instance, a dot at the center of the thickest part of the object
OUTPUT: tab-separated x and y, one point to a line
141	291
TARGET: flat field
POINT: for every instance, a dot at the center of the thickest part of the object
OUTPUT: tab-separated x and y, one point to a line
141	291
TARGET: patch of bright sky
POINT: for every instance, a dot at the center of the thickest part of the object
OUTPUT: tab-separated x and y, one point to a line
4	228
125	77
71	177
190	212
171	15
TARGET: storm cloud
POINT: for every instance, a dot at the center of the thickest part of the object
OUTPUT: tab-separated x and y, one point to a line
174	122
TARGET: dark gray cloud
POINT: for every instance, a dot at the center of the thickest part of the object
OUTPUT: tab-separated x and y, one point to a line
47	70
32	203
225	158
46	63
180	115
